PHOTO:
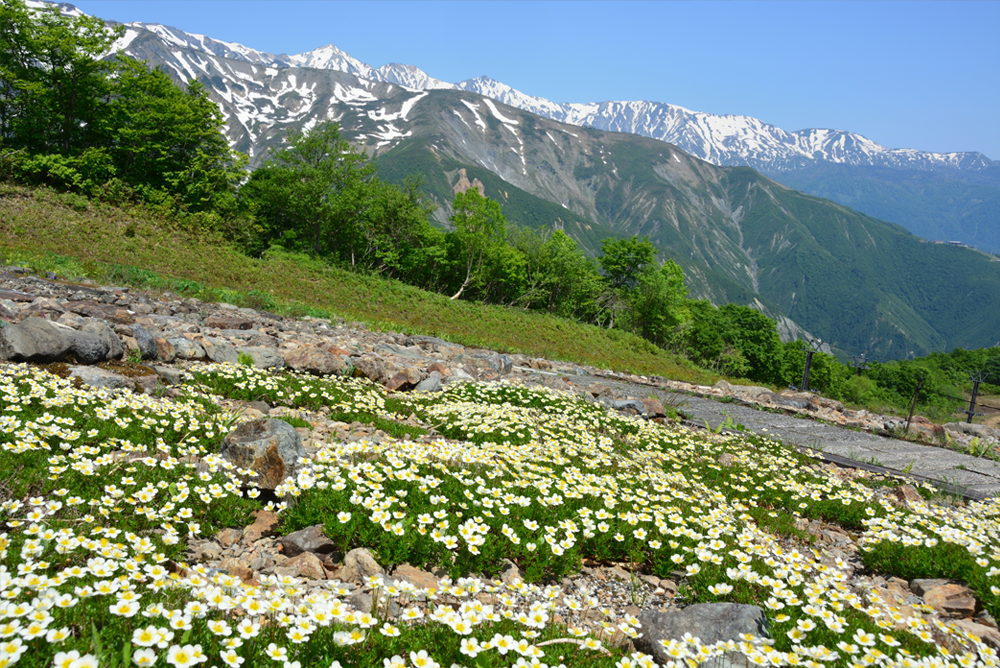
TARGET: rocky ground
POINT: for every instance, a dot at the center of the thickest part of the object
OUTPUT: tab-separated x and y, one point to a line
93	330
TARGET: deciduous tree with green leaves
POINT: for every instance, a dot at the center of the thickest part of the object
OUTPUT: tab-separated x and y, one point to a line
480	228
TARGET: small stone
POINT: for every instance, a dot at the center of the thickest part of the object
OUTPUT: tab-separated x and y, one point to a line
308	565
907	494
726	459
237	567
311	539
510	574
165	351
359	564
228	537
418	578
265	524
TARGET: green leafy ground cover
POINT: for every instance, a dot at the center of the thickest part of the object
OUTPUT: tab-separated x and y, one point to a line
102	490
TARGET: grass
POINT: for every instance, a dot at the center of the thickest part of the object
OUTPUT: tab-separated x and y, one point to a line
46	231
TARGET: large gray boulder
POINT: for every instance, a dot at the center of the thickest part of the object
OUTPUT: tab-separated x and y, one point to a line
187	349
271	448
33	340
87	347
104	332
311	539
219	351
264	358
711	622
100	378
144	340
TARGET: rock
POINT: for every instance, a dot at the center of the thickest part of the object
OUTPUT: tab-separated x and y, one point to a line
503	364
726	459
947	597
69	319
509	572
237	567
361	601
265	524
219	351
907	494
711	622
87	347
315	360
264	358
359	564
100	328
227	322
310	539
187	349
228	537
370	367
404	380
989	635
653	408
33	340
207	550
149	384
272	448
169	374
788	402
418	578
630	406
431	383
308	565
101	378
165	351
147	346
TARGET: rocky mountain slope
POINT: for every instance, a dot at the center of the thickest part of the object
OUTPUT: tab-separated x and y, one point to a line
947	196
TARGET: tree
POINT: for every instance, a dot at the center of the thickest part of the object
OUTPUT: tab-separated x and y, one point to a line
54	79
658	308
559	278
310	194
624	260
480	227
167	140
756	337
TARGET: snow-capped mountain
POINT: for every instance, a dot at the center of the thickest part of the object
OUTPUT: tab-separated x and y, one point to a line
722	140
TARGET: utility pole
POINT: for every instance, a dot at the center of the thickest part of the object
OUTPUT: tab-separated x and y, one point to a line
916	394
814	348
860	362
976	377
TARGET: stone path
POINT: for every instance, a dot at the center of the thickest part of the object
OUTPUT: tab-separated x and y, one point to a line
952	472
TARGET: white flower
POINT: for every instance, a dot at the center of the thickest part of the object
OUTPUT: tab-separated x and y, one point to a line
144	658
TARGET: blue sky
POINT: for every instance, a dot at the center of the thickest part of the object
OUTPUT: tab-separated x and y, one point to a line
922	75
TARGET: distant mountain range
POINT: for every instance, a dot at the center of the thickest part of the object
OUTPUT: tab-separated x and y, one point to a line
861	284
945	196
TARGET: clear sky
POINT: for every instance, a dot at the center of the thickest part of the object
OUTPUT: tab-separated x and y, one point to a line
922	75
